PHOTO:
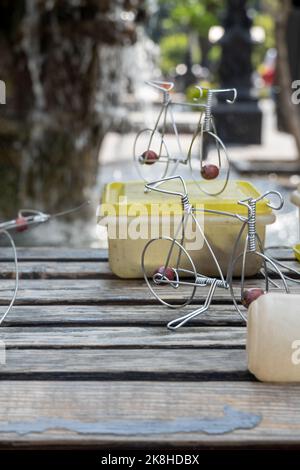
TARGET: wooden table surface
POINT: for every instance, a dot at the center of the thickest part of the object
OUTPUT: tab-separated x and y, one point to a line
90	363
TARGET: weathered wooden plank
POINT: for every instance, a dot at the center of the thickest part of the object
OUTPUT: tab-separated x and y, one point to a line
55	254
81	270
126	364
122	337
113	315
82	291
56	270
180	414
101	291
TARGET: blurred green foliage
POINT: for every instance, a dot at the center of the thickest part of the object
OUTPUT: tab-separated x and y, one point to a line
173	51
214	54
194	15
189	18
183	20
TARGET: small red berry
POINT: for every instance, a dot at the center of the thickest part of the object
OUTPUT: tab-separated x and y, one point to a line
21	223
249	295
149	157
209	172
166	272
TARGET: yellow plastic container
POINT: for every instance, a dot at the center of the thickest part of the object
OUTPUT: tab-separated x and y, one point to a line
297	251
126	205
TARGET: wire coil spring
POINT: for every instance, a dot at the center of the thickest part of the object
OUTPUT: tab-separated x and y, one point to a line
208	281
252	225
186	205
207	117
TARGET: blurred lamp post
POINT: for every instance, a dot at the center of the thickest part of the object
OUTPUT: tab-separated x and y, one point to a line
240	123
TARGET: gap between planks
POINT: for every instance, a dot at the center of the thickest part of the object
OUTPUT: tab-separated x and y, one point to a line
78	270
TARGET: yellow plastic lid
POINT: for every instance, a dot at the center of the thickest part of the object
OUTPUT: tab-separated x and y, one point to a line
125	198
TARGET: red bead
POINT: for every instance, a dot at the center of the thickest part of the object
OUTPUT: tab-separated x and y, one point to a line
21	223
166	272
249	295
209	172
149	157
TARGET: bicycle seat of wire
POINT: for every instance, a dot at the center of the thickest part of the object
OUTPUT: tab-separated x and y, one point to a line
166	87
156	186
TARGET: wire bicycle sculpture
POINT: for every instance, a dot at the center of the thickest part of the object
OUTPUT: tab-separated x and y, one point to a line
151	148
25	219
177	270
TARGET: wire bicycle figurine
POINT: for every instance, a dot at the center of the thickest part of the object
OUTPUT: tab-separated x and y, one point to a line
178	270
150	146
25	219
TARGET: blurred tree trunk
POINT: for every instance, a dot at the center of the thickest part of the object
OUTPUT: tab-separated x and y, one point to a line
61	62
288	109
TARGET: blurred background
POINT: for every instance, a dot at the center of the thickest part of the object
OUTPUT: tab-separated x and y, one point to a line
75	73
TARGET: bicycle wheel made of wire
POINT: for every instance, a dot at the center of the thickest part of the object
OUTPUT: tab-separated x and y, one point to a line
248	291
3	314
151	156
169	272
209	162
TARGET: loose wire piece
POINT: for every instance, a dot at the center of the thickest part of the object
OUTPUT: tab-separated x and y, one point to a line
73	209
27	217
289	271
12	243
